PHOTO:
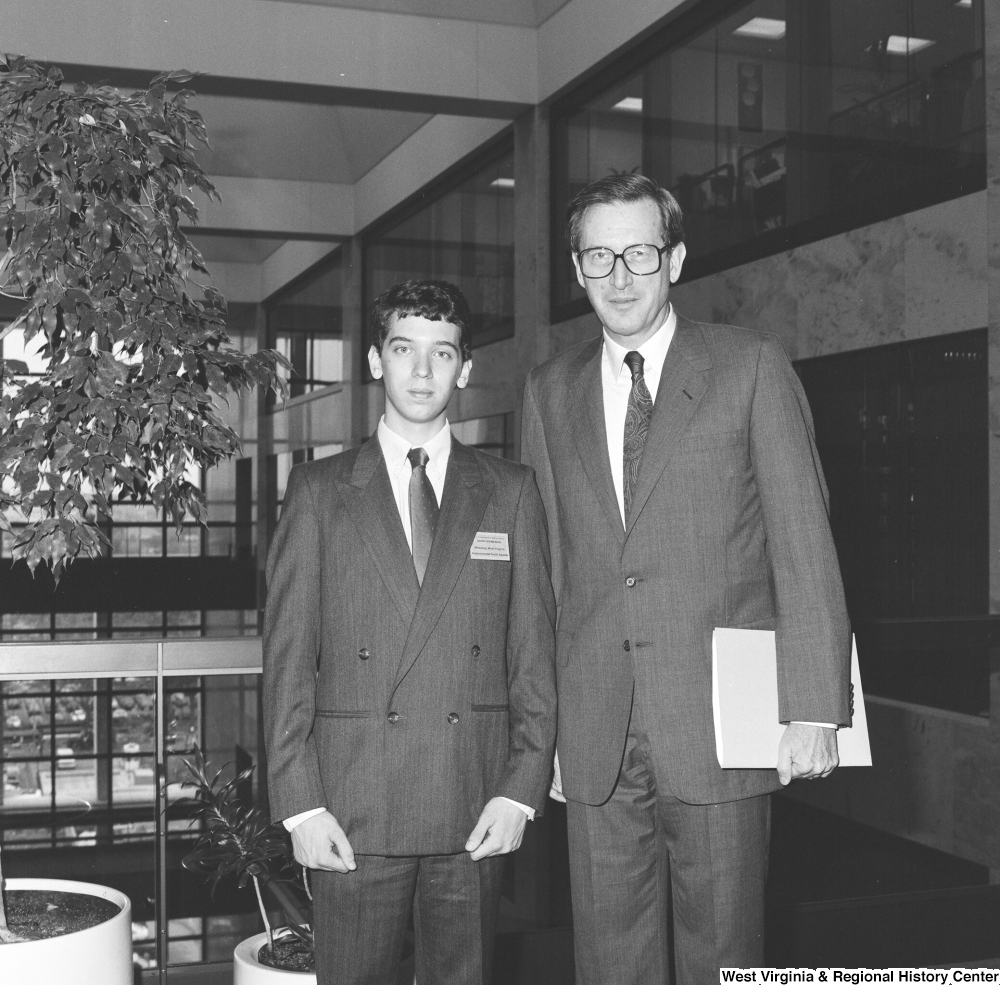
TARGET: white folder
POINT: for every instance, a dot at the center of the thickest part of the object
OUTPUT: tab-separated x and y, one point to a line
745	702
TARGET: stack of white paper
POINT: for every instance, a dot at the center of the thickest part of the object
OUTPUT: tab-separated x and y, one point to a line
745	700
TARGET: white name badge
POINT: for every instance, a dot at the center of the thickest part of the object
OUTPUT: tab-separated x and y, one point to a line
490	547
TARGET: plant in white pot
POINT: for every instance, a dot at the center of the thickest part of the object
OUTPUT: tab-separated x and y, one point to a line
94	187
238	841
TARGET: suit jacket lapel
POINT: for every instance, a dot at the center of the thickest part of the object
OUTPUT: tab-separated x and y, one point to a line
467	491
372	506
683	382
591	434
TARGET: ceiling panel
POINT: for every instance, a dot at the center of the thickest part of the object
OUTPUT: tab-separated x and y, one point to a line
525	13
255	138
234	249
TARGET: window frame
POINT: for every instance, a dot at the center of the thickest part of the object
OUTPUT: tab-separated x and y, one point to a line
673	32
488	153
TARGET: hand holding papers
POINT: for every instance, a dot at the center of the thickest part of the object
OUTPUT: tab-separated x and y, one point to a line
745	701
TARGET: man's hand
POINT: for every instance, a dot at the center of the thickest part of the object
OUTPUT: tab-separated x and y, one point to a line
320	843
498	831
555	791
806	751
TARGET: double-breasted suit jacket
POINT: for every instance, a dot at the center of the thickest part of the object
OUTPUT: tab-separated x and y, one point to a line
729	527
403	708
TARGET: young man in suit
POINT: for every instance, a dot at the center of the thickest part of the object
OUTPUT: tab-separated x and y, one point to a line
683	492
409	693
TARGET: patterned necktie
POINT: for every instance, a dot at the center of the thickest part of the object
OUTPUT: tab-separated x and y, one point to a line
640	409
423	511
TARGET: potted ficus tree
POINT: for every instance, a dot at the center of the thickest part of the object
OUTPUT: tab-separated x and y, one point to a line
237	841
94	186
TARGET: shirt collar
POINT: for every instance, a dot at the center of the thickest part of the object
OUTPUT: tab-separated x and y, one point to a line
653	350
395	448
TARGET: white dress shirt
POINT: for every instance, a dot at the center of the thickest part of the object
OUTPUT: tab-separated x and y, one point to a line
616	381
395	450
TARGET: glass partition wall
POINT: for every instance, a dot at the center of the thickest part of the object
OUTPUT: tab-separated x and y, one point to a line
460	230
94	742
777	122
305	323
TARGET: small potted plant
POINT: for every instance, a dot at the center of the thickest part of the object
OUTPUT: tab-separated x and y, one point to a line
238	841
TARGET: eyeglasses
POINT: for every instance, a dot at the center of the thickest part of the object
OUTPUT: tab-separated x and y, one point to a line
641	260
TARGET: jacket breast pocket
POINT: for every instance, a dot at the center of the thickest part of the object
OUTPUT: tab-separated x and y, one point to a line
324	713
709	442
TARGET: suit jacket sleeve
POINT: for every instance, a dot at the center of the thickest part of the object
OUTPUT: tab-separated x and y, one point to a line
531	684
292	625
812	628
534	453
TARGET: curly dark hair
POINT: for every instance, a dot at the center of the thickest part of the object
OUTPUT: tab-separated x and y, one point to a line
436	300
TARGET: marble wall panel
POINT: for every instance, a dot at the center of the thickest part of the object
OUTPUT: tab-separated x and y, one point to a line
945	268
908	277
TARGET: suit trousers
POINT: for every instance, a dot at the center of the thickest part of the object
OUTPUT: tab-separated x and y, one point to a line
361	919
642	850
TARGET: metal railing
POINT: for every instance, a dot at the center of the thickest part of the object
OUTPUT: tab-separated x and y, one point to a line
157	660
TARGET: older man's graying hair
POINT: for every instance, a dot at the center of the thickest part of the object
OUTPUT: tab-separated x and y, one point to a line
616	189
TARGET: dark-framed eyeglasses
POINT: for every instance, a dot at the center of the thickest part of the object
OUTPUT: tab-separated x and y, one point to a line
641	259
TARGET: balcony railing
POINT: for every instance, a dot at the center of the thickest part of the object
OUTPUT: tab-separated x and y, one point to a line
93	738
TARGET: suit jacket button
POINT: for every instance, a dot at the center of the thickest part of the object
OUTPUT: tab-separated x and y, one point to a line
453	719
476	650
363	653
629	582
393	717
626	647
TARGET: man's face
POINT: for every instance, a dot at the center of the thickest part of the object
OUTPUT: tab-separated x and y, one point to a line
420	365
630	307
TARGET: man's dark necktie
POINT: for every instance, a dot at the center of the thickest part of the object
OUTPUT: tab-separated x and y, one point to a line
423	511
640	409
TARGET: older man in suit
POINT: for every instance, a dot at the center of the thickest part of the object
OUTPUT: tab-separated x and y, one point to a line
683	492
409	693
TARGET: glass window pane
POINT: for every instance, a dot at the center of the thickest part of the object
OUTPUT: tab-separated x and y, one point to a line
464	236
490	434
835	114
186	543
137	620
132	780
25	621
76	784
187	618
306	325
228	708
135	513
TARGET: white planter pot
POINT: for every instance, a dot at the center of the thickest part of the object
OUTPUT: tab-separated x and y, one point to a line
247	970
100	955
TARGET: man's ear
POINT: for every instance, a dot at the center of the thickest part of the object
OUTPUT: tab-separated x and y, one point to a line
375	363
580	279
463	377
677	255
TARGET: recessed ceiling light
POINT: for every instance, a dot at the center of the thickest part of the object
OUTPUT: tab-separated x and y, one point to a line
898	45
964	3
762	27
630	104
502	183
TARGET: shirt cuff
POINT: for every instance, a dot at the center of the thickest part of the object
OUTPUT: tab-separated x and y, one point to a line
530	811
297	819
820	724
